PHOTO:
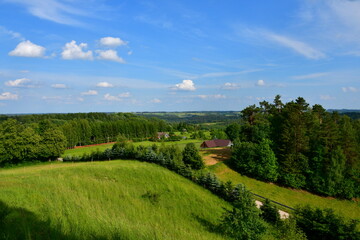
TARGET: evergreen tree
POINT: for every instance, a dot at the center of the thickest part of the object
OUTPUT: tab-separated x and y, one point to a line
191	156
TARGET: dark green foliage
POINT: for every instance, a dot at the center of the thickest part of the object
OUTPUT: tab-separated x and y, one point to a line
243	221
288	230
26	143
256	160
153	197
269	212
299	146
191	156
325	224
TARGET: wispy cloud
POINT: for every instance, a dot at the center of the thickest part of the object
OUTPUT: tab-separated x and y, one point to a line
104	85
12	34
349	89
53	10
20	83
90	93
215	96
59	86
109	55
112	42
296	45
230	86
310	76
8	96
260	83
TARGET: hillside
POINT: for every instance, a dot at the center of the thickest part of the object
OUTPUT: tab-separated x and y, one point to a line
104	200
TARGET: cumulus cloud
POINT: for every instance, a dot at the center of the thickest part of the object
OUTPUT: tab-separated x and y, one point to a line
90	92
28	49
22	82
216	96
58	85
104	85
73	51
185	85
8	96
155	100
260	83
112	42
119	97
230	86
109	55
349	89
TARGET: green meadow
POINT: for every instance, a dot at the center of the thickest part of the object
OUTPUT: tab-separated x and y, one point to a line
79	151
104	200
287	196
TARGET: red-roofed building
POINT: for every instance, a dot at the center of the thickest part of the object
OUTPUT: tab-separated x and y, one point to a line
216	143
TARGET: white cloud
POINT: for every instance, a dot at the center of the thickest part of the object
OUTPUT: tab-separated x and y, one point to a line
14	35
298	46
112	42
22	82
28	49
186	85
58	85
8	96
73	51
310	76
125	95
260	83
52	10
110	55
349	89
119	97
104	85
230	86
90	92
216	96
326	97
155	100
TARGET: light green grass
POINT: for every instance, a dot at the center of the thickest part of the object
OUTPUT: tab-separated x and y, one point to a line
289	197
79	151
105	200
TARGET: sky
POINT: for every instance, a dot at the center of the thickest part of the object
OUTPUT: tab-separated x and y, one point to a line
176	55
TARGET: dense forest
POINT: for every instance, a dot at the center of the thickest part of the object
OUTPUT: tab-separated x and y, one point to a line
298	146
46	136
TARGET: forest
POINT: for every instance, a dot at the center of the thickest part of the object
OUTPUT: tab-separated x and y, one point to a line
298	146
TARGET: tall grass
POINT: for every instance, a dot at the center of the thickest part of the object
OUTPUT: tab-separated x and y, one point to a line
106	200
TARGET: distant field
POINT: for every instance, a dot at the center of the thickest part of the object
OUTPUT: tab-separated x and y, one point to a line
105	200
80	151
289	197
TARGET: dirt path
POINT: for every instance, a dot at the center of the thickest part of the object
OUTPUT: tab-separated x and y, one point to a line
212	156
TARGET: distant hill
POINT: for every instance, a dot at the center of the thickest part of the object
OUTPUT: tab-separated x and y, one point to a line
352	113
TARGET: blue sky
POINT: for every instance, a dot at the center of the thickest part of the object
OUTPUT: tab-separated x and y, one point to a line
176	55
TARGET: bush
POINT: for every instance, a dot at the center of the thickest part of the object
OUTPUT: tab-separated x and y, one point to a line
325	224
243	221
269	212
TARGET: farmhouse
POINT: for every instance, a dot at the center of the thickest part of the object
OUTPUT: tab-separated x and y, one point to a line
161	135
216	143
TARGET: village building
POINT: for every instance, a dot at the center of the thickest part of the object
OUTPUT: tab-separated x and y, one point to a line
216	143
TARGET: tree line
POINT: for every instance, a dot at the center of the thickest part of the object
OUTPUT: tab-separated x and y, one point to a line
26	138
299	146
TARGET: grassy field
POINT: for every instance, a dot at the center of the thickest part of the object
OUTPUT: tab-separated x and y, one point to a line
105	200
80	151
289	197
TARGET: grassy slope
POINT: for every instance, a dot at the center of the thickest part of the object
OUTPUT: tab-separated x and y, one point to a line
80	151
105	200
289	197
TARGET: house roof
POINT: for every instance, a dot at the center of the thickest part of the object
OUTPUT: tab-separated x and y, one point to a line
216	143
